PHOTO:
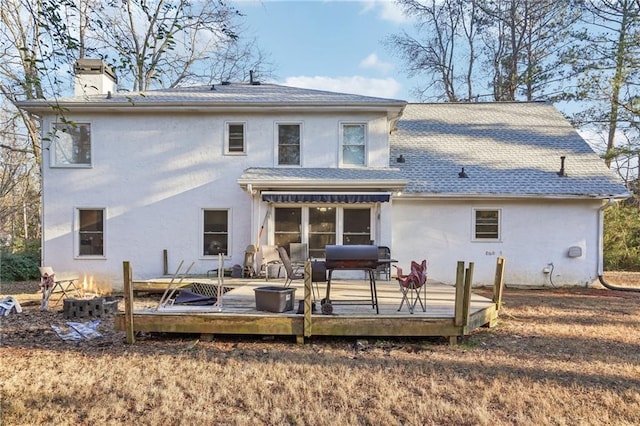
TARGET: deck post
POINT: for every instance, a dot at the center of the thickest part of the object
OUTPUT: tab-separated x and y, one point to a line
458	318
165	262
498	283
128	302
307	302
458	302
466	304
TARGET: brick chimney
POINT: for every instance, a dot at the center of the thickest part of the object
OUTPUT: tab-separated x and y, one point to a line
94	77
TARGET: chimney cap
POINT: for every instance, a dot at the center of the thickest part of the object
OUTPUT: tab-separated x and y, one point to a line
93	66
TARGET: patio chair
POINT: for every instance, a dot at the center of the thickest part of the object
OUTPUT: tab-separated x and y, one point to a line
293	273
248	267
270	257
412	284
384	253
49	285
299	253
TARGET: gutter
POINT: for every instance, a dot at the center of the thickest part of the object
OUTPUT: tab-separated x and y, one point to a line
601	251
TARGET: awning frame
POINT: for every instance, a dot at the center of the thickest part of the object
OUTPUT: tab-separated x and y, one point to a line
324	197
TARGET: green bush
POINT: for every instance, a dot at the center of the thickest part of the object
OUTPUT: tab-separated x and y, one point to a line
622	238
21	266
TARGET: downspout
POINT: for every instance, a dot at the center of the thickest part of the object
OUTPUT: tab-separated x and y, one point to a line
601	251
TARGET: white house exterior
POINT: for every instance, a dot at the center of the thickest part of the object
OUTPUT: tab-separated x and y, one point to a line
201	170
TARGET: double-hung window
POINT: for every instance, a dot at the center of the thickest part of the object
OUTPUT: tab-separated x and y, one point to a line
235	138
215	232
90	232
353	144
486	224
71	145
289	144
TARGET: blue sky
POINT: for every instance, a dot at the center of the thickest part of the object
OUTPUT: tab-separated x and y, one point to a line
331	45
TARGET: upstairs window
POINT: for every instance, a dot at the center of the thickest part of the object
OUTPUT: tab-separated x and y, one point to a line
71	145
235	138
289	144
216	232
90	232
353	144
487	224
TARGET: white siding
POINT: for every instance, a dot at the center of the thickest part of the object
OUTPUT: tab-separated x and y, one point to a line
155	173
533	235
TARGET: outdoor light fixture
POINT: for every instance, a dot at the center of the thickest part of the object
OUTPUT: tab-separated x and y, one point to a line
462	174
400	159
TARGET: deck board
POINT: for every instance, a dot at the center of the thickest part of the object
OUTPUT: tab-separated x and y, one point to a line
238	314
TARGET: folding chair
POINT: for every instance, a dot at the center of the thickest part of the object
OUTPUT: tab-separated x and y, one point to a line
293	272
270	257
49	285
412	284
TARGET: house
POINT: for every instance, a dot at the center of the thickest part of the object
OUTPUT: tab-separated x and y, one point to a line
204	170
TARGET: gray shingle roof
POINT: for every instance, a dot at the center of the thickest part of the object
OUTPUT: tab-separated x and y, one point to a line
510	149
229	94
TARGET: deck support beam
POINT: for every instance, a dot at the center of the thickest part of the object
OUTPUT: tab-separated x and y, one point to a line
127	273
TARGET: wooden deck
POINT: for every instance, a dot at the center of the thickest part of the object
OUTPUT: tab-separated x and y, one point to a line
451	311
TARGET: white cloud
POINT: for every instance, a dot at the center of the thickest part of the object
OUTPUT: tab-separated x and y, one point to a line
387	10
378	87
373	62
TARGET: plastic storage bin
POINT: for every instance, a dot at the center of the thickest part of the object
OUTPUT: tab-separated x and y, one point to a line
275	299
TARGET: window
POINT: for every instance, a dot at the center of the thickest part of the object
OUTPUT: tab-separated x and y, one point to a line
322	229
321	225
90	232
353	144
289	144
71	144
216	232
487	224
357	226
288	226
235	138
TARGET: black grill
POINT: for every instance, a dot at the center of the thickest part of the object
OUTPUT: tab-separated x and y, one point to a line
363	257
352	257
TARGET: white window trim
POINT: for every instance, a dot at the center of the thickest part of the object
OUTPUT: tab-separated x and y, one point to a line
229	254
227	134
53	147
341	144
276	138
473	225
76	234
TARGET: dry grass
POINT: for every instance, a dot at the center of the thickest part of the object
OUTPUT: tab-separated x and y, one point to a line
562	357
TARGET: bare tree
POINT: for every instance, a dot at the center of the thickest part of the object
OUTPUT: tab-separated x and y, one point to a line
518	40
522	44
449	30
165	43
607	59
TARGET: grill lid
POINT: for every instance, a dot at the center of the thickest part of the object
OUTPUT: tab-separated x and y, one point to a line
351	256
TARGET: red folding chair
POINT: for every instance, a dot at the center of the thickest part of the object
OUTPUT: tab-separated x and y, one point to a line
412	284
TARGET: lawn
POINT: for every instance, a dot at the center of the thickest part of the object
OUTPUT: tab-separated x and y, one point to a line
557	356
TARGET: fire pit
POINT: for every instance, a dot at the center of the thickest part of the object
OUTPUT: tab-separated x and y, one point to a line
89	308
351	257
92	300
